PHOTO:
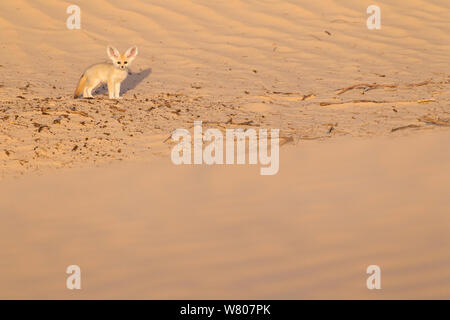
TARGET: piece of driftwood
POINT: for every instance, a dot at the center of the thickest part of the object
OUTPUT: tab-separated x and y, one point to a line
370	86
409	126
436	122
365	86
322	104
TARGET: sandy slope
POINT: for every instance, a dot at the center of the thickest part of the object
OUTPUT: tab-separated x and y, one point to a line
156	230
277	63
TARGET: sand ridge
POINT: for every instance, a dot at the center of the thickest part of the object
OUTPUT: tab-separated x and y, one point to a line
50	133
313	71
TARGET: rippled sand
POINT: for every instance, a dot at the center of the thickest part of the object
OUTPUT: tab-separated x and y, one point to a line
364	118
311	69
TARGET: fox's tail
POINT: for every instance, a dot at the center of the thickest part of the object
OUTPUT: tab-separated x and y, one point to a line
80	86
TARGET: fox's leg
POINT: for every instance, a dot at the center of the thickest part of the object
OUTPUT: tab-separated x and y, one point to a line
89	92
90	85
117	90
111	89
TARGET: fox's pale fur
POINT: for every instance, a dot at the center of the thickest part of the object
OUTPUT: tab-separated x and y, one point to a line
111	73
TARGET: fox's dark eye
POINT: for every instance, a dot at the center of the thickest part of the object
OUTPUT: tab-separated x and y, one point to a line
125	62
118	62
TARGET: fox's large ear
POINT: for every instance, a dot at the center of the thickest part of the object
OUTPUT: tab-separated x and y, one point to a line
131	53
113	53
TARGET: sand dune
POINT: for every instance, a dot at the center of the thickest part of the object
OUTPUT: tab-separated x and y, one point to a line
363	177
277	63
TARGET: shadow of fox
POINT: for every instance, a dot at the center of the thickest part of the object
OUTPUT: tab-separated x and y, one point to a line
131	82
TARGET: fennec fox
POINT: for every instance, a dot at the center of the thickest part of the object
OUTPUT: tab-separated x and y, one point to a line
112	74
